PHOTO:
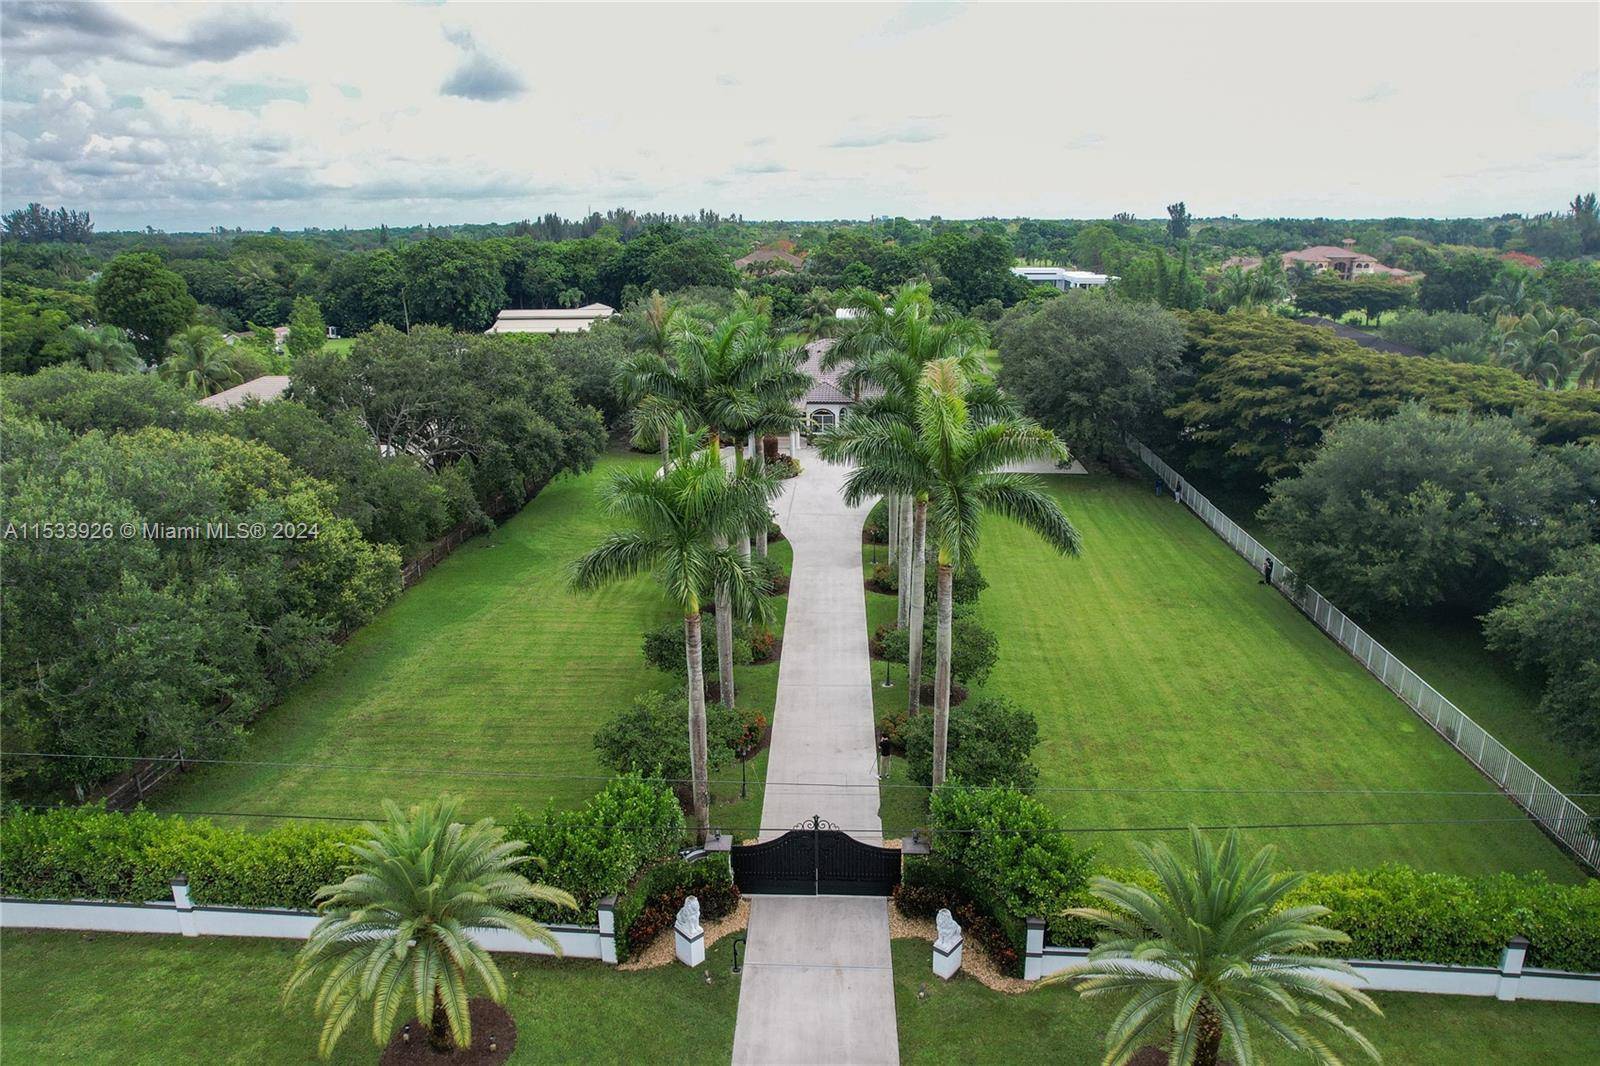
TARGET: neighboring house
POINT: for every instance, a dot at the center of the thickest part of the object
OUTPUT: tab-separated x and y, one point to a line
1344	261
551	319
280	337
265	388
768	260
1243	262
1062	278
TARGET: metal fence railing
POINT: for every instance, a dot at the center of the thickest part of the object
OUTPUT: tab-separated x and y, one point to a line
1559	815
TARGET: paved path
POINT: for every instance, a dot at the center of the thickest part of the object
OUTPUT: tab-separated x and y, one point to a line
818	986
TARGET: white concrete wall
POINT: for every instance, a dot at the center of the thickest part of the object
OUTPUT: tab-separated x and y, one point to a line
1507	982
577	941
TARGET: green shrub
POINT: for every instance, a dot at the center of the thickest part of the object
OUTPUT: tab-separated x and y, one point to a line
930	885
652	903
784	466
663	649
966	586
92	853
1012	847
974	649
1395	912
651	736
989	743
596	850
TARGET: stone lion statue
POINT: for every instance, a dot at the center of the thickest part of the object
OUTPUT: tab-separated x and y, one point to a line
949	930
688	922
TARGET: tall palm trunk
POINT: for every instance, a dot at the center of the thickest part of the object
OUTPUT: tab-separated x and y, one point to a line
903	606
738	473
891	521
919	566
700	786
724	639
941	673
760	461
666	451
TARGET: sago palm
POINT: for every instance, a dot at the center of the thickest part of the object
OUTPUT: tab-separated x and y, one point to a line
397	930
1209	954
676	526
953	459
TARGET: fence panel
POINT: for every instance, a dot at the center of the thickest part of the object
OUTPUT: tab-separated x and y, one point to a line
1546	804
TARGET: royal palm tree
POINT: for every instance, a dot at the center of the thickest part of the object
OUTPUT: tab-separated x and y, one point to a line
397	930
198	360
888	344
953	459
678	521
104	348
912	338
654	328
1211	952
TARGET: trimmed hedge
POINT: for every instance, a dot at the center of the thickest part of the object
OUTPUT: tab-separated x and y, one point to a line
92	853
653	902
1397	913
597	849
1014	866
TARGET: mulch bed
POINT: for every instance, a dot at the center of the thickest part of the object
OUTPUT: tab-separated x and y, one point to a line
878	586
771	657
489	1020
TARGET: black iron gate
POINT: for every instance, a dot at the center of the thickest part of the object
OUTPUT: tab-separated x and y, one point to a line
816	858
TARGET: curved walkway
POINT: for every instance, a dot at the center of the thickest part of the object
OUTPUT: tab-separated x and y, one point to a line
818	985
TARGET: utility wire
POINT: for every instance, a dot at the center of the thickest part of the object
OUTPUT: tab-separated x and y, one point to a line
769	785
878	830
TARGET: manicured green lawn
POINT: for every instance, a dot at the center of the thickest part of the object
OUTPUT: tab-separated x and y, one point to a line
125	999
488	669
1450	653
963	1022
1159	665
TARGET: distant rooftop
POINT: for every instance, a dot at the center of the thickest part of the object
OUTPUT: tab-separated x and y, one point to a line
265	388
550	319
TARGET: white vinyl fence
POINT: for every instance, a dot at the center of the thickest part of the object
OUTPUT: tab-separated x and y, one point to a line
1510	980
180	916
1560	817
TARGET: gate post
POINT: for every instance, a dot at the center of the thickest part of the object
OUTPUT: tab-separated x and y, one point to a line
816	852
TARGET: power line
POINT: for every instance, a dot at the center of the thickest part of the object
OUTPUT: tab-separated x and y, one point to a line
878	831
529	775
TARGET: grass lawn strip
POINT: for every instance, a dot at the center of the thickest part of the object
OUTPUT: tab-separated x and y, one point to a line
125	1000
1158	661
961	1022
489	666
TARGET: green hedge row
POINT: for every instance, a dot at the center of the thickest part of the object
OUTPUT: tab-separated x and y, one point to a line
91	853
1396	912
996	853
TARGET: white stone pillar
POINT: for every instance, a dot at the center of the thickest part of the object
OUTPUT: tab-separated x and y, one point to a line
607	915
1033	963
688	937
1511	961
185	908
947	948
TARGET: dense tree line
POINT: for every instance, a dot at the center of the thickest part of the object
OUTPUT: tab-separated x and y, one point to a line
134	626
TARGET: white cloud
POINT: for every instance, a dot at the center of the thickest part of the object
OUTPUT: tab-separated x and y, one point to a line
274	117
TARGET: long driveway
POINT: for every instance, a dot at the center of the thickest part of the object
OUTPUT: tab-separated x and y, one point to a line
818	985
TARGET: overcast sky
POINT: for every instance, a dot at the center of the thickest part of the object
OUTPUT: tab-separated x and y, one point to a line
186	116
